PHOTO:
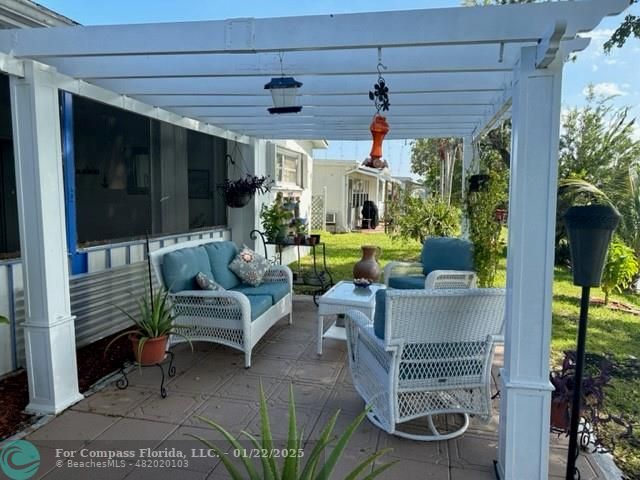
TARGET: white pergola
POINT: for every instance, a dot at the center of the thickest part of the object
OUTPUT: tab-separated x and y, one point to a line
451	72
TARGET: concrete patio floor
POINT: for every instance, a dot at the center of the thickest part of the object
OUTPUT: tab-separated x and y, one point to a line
212	382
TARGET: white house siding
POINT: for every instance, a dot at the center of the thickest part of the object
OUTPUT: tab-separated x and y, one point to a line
333	177
243	220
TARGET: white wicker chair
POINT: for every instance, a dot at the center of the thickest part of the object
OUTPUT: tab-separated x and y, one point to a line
435	279
224	316
435	357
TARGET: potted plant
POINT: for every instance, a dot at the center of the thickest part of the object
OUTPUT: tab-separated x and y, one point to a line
153	326
299	226
4	320
237	193
592	395
275	220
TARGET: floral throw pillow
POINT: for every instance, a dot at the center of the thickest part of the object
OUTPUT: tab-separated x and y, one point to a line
249	266
207	283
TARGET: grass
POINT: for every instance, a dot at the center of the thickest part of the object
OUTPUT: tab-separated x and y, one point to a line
343	250
612	333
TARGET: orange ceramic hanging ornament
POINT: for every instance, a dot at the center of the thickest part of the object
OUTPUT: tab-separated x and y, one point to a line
379	128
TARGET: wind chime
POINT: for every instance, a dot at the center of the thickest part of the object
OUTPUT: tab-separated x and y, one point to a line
379	126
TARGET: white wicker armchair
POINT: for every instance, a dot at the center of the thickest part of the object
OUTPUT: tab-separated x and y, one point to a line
435	357
224	316
435	279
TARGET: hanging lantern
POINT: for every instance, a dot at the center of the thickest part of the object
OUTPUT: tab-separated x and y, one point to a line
379	128
284	92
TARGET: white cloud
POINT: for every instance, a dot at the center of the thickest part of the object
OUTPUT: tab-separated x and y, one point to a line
600	34
606	89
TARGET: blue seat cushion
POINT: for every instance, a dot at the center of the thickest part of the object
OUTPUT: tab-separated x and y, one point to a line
180	267
259	305
446	253
410	282
277	290
379	316
221	254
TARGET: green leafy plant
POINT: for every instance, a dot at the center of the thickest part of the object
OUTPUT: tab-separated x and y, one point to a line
318	466
155	319
620	270
4	320
484	227
417	218
275	219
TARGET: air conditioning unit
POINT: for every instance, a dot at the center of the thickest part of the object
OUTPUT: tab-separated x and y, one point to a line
330	218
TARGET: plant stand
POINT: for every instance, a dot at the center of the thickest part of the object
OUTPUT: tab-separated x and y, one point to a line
317	276
123	381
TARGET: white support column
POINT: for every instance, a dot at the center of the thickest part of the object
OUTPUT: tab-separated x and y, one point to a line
49	327
526	391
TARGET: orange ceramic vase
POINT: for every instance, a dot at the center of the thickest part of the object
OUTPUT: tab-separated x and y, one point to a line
368	266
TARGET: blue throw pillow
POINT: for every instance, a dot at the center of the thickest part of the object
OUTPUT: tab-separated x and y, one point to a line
180	267
221	254
380	315
446	253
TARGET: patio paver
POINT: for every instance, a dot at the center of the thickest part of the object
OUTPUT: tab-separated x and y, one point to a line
212	382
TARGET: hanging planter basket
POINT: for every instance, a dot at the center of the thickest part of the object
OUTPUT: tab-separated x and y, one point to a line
237	199
478	183
238	193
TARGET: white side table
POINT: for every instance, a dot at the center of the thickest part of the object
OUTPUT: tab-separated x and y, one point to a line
344	296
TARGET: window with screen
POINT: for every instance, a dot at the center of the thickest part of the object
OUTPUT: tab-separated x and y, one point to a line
9	236
206	170
112	172
288	168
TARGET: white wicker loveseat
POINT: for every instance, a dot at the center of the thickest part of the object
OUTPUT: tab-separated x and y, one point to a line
238	316
434	357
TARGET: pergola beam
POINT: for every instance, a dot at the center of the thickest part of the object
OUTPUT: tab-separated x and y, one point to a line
452	58
351	111
446	26
411	82
264	100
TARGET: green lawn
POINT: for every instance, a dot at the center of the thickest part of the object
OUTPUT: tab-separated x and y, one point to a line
611	332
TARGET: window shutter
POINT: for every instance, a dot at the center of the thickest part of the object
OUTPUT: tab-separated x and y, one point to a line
271	160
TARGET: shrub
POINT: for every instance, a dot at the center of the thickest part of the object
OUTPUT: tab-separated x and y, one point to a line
620	269
417	218
484	228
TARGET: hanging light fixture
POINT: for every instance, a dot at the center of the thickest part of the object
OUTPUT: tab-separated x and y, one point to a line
284	93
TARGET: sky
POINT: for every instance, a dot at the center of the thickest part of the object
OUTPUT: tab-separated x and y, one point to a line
615	74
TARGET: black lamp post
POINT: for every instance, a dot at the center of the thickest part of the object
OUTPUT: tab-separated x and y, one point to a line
590	229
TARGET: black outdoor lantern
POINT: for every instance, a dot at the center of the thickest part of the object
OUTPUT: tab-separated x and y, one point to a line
590	229
284	93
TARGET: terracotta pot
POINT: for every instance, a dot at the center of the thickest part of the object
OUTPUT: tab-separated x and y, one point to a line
153	350
379	128
368	266
560	414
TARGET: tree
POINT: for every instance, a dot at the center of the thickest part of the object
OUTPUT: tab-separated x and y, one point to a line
437	161
597	145
630	26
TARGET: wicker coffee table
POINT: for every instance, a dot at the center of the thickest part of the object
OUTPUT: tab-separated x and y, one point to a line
344	296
